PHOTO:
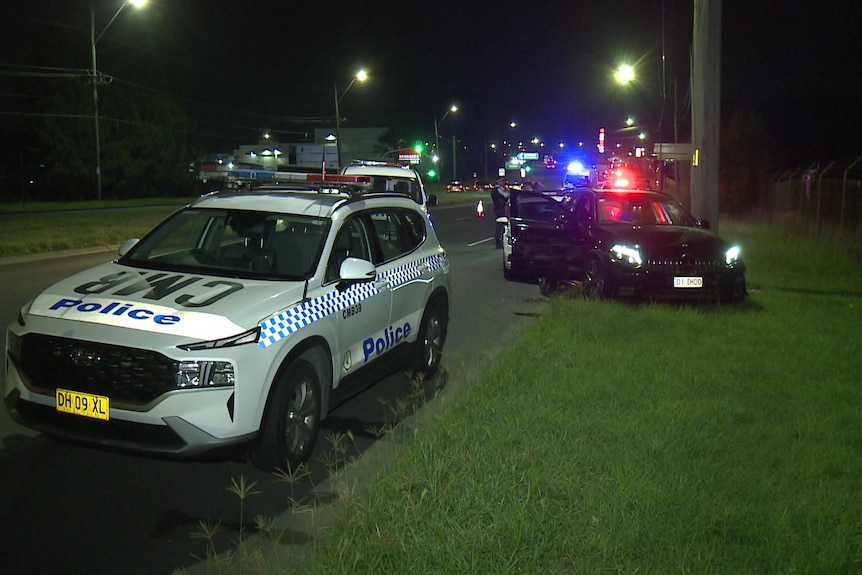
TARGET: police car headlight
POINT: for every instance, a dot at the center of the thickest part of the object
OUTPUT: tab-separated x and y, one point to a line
731	256
15	343
627	255
199	374
250	336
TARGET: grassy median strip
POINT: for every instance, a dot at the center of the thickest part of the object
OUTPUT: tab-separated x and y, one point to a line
644	439
25	234
36	228
40	227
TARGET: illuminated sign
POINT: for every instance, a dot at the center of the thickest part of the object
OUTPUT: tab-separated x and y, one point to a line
409	155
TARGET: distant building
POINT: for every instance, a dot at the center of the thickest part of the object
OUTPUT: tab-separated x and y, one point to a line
270	154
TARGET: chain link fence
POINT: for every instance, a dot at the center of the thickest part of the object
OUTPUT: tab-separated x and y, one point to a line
824	196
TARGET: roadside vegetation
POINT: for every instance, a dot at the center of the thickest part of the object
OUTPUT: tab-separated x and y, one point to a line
41	227
619	438
614	438
27	229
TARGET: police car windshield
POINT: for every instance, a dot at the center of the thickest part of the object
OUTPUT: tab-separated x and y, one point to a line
234	243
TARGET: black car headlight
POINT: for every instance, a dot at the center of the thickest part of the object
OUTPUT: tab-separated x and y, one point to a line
732	256
629	255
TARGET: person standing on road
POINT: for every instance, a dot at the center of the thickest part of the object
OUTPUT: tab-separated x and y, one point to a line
500	197
533	184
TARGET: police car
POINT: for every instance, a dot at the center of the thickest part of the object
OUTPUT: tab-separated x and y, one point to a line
233	326
388	176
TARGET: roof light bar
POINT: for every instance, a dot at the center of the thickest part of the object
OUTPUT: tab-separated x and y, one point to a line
339	179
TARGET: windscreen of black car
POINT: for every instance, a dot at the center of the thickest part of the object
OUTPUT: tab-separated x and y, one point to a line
641	210
539	208
234	243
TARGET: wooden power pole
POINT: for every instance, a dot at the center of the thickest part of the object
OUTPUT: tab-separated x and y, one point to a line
706	109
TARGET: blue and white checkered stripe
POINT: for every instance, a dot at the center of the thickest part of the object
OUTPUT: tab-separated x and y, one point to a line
285	323
282	324
408	272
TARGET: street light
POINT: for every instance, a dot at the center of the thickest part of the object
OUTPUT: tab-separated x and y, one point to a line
93	41
625	74
452	108
361	76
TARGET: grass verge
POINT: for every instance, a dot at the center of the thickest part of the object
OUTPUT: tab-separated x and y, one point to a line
644	439
40	227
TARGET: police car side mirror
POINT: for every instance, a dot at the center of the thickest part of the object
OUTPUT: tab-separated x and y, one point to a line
357	270
127	245
354	271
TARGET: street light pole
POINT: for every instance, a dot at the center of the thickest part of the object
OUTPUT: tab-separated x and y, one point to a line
452	108
338	124
454	158
436	135
93	41
95	80
361	76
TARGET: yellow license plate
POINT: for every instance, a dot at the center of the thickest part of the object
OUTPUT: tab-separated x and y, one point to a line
86	404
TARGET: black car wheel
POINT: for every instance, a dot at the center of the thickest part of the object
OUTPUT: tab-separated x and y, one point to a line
594	280
735	292
432	336
547	286
292	420
509	273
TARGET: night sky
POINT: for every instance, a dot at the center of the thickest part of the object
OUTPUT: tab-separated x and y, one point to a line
242	68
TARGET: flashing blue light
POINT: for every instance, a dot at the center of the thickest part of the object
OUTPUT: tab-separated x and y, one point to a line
578	169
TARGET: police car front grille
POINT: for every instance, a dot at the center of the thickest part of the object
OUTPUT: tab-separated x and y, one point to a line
124	374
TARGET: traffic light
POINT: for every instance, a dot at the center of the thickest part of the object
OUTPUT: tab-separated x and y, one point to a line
419	148
432	173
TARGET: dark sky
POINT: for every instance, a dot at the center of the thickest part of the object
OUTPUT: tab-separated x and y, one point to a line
243	67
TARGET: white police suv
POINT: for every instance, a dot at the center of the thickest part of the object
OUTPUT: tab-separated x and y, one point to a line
392	177
231	327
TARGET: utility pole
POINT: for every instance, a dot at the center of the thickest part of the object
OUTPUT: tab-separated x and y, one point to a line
705	109
454	159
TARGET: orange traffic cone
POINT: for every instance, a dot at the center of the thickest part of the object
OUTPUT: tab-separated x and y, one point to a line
480	210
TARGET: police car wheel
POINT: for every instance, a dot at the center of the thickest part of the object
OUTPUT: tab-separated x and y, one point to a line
292	420
432	336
